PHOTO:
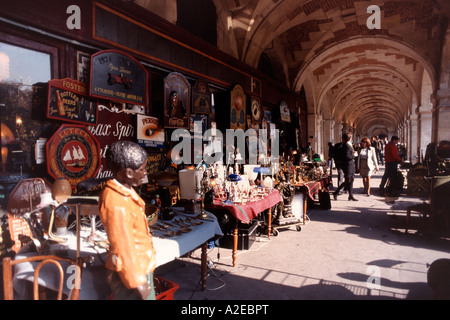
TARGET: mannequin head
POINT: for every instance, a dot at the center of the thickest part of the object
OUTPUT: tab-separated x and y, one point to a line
127	161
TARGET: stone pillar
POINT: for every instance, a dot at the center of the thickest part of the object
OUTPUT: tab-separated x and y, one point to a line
312	128
413	134
441	99
425	119
337	132
327	133
441	116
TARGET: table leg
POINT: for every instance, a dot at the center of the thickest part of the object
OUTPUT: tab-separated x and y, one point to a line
235	243
305	205
269	223
204	258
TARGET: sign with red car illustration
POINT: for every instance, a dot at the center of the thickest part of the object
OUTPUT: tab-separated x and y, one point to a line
119	77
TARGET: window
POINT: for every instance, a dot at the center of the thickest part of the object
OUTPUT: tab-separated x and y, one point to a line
23	74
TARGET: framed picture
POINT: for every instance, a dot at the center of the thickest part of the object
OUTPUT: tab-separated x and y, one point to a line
201	98
83	66
256	110
177	97
238	109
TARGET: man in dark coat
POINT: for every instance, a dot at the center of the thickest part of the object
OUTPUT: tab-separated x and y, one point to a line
338	156
348	166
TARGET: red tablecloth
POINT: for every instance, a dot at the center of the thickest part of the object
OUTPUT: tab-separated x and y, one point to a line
250	210
314	187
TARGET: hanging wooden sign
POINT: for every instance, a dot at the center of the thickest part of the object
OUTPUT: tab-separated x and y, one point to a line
73	153
119	77
68	101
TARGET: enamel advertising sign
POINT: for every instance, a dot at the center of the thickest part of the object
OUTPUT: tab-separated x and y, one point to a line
73	153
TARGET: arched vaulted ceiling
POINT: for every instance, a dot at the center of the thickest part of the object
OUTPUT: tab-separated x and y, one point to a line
364	77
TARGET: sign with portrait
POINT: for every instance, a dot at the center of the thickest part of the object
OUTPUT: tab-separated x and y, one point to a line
119	77
201	98
73	153
177	98
68	101
238	114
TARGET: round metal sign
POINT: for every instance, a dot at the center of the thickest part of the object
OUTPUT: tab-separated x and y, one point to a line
73	153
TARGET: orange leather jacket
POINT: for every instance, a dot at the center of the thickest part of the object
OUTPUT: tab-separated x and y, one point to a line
131	253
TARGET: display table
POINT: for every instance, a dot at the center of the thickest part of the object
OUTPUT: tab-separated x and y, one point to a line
310	189
247	212
93	285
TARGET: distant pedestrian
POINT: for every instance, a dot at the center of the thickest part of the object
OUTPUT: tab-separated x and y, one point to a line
367	163
348	166
392	159
330	157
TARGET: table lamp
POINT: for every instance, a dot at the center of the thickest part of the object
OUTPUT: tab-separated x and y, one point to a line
202	190
261	171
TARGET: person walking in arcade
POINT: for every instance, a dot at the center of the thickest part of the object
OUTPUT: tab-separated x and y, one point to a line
348	166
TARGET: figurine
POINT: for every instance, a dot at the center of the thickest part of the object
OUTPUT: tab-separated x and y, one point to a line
157	201
131	258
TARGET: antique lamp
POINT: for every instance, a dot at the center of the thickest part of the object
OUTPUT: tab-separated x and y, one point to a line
202	189
261	171
234	179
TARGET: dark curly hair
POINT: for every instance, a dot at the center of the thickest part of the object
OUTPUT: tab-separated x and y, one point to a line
125	154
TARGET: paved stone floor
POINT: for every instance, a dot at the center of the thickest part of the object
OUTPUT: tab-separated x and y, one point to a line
356	250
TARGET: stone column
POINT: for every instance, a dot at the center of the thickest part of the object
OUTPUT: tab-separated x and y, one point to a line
441	116
327	133
424	132
414	135
441	99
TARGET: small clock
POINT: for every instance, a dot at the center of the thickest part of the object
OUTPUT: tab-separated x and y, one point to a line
256	111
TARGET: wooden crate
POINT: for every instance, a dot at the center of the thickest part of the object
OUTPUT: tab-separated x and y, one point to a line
417	185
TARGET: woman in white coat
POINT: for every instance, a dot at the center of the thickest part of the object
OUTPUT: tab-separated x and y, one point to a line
367	163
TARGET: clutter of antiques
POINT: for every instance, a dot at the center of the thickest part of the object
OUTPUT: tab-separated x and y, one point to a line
198	185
